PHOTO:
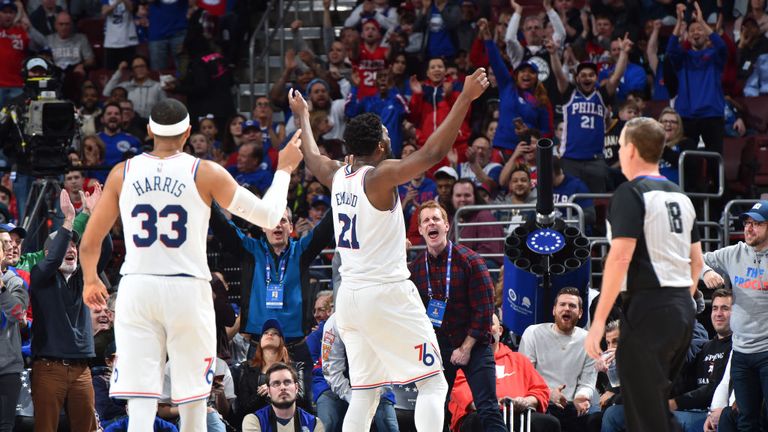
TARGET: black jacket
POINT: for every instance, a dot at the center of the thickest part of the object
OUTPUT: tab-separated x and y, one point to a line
62	325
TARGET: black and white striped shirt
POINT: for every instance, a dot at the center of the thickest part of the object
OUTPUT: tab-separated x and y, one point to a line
656	213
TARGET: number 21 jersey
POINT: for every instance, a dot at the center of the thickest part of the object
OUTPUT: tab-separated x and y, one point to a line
165	221
371	242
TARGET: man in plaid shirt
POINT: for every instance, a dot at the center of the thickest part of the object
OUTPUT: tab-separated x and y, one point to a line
457	290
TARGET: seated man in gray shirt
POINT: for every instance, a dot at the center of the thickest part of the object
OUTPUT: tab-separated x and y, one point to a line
557	352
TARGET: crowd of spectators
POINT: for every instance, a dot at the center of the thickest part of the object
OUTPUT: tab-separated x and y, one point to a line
571	71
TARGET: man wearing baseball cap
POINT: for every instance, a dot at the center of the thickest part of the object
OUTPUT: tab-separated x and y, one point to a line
745	264
585	114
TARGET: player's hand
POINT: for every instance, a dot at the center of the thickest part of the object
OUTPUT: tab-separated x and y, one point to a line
460	356
713	280
594	337
290	157
475	84
66	205
582	405
298	104
95	295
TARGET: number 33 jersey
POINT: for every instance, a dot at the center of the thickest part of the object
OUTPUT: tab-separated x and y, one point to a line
371	242
653	211
165	221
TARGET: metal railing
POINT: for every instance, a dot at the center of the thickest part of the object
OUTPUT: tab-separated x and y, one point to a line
458	225
269	35
707	240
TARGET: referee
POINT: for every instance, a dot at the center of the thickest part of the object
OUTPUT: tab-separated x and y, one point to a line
654	251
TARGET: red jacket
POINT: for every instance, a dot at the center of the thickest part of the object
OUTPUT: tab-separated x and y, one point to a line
515	377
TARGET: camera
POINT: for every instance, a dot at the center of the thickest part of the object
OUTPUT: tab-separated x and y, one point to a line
46	124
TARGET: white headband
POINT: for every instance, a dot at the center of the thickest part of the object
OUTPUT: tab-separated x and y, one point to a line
169	130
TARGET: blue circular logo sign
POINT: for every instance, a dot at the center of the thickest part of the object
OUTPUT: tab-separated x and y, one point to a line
545	241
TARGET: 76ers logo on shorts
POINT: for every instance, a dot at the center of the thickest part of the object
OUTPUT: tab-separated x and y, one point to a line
209	370
425	357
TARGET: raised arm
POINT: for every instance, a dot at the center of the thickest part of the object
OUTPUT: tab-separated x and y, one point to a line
621	65
101	221
652	49
557	66
393	172
321	166
214	182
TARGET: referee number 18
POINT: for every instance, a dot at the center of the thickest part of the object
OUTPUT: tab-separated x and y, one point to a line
674	214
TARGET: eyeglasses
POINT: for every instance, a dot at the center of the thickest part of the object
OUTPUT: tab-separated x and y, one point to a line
669	122
285	383
754	224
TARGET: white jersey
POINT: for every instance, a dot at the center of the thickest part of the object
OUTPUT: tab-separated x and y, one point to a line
371	242
165	221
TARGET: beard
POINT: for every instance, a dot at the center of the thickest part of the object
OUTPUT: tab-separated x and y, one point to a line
284	404
68	269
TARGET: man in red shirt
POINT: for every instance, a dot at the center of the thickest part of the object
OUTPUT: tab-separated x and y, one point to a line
14	41
516	379
371	58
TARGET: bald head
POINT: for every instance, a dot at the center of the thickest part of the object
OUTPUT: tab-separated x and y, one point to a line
63	25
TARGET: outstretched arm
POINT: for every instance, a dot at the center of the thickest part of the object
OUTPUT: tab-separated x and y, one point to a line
101	221
321	166
213	182
392	172
621	66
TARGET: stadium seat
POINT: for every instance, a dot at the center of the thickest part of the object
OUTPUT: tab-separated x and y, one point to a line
757	112
761	148
739	158
93	29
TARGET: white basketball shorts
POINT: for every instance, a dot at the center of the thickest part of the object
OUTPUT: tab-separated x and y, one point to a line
387	335
155	315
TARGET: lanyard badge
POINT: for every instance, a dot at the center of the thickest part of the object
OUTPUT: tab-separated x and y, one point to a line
275	291
436	308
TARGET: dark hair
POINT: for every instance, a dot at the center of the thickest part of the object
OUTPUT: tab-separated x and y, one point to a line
168	112
279	366
228	141
6	191
111	104
569	291
257	152
139	57
520	168
721	292
363	134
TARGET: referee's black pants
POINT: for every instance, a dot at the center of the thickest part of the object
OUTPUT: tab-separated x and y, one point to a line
654	336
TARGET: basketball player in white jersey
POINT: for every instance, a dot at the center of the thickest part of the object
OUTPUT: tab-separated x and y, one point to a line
380	316
165	304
